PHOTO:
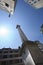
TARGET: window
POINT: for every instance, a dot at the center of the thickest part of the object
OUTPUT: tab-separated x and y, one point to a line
5	56
0	51
32	0
11	62
32	4
16	55
20	60
6	4
0	56
5	51
29	2
10	56
38	0
16	61
3	63
35	1
11	51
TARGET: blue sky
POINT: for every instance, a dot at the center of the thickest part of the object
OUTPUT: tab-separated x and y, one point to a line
30	20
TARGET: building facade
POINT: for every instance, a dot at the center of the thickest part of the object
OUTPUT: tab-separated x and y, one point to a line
8	5
10	56
35	3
